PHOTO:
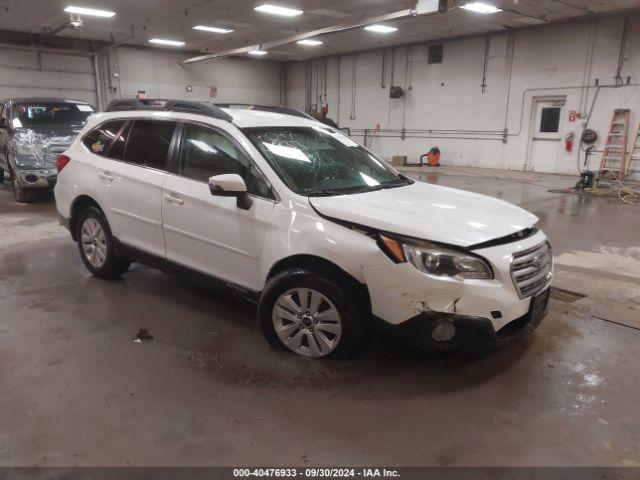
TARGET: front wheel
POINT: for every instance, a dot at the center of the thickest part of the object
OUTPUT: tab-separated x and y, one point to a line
311	315
95	243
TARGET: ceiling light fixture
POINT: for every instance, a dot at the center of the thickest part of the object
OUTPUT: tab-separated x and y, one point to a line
310	43
381	29
204	28
480	7
257	52
162	41
276	10
90	11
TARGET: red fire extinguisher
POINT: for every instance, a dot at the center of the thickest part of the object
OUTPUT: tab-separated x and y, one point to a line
568	142
325	108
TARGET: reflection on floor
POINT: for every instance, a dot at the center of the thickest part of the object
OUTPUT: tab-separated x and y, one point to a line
77	390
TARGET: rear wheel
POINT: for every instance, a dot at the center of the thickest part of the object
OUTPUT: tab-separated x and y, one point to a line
95	243
311	315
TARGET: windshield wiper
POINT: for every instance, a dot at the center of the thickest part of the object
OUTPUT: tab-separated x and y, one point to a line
324	193
400	182
382	186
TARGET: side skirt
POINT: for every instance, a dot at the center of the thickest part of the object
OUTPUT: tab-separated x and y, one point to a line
135	255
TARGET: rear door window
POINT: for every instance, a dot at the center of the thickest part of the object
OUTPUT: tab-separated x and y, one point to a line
99	140
148	143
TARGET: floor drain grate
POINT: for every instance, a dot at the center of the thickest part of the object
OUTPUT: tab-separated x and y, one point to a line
566	296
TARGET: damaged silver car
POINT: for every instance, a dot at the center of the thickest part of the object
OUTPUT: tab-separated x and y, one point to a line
33	132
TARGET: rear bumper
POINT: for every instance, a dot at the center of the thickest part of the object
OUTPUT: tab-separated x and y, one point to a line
471	333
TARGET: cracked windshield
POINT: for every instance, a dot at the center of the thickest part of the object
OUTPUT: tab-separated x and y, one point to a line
322	162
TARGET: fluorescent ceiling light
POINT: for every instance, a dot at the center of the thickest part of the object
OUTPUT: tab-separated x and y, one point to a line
276	10
381	28
204	28
90	11
480	7
257	52
172	43
310	43
287	152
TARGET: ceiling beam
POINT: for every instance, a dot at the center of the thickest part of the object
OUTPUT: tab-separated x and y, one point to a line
302	36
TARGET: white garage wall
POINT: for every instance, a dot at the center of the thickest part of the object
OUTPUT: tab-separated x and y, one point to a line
545	61
158	74
26	73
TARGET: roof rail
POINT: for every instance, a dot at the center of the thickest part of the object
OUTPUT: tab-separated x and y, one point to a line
184	106
267	108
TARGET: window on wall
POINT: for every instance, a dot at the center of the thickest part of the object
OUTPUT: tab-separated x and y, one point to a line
550	120
436	53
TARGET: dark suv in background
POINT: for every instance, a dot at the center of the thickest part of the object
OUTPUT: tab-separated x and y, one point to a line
33	132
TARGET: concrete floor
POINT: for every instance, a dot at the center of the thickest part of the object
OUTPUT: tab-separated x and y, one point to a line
76	390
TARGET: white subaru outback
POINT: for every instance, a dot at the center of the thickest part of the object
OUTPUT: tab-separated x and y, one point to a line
325	236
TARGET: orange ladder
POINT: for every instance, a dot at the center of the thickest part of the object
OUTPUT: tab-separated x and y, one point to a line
633	166
614	158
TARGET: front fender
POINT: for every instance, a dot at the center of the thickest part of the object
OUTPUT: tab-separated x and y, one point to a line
304	232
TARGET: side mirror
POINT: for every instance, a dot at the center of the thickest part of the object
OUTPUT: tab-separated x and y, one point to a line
231	185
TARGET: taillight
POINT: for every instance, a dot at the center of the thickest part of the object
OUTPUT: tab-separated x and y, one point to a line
62	162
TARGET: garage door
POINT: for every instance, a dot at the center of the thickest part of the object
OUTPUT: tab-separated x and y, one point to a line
27	74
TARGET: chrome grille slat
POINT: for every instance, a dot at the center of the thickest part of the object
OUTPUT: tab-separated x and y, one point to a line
539	276
532	270
522	272
528	256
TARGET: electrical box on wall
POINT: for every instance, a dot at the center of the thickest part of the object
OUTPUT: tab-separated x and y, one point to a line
396	92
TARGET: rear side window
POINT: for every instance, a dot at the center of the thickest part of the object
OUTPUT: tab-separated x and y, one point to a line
99	139
148	143
117	149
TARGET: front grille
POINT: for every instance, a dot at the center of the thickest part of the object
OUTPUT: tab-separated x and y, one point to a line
532	270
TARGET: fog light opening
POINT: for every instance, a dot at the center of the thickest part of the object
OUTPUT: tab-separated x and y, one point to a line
31	178
444	332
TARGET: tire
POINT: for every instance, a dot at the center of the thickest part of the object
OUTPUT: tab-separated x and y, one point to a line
94	235
1	175
20	194
308	335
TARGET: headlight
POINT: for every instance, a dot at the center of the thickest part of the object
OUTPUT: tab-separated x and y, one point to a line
433	259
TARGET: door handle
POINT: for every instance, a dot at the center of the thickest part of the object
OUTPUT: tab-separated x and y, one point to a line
173	199
106	176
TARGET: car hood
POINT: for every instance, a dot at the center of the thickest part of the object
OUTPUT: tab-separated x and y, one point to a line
429	212
39	147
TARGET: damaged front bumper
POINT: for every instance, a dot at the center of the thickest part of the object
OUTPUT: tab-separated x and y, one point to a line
41	179
34	156
424	331
446	312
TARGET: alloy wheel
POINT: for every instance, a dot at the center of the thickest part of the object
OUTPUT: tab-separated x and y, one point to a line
94	242
307	322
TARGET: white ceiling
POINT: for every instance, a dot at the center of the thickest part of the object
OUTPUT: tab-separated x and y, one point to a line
174	19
